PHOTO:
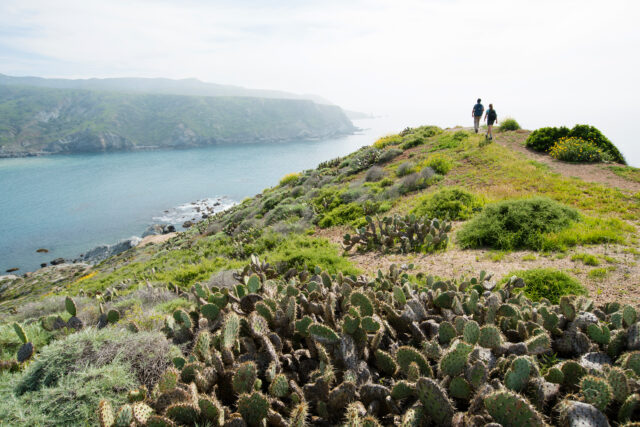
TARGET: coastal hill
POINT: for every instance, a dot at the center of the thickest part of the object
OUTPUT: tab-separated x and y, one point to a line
432	278
104	115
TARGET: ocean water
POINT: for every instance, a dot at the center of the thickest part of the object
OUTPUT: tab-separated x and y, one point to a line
72	203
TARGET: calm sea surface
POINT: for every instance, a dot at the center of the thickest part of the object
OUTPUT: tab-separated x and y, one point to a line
69	204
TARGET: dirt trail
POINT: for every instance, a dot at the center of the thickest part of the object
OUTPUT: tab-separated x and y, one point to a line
587	172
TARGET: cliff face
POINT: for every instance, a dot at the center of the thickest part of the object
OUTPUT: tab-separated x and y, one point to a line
42	120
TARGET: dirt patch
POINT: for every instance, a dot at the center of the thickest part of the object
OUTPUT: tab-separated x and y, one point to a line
155	239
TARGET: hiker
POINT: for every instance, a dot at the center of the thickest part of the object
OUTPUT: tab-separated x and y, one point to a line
491	117
476	113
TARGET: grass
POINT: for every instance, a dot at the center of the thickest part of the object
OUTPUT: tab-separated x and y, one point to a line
587	259
627	172
548	283
598	273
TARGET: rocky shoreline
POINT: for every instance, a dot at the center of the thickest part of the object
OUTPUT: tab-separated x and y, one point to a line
187	215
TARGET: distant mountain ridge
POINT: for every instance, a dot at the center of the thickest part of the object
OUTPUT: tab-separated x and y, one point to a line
100	115
188	87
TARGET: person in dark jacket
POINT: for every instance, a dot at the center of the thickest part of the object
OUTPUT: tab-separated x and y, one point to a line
476	113
491	117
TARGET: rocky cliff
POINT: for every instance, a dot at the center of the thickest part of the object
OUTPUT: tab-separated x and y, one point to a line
36	120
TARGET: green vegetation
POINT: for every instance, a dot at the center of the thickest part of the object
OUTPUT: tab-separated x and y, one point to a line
627	172
275	276
544	139
448	203
578	150
587	259
548	283
71	375
516	224
509	124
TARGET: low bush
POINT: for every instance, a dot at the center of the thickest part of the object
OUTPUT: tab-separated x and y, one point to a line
448	203
144	354
548	283
516	224
361	160
509	124
290	178
374	174
413	141
405	169
387	140
543	139
342	214
286	211
589	231
572	149
418	181
389	155
440	163
587	259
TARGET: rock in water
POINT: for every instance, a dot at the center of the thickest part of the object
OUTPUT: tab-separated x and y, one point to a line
187	224
103	252
11	270
42	251
57	261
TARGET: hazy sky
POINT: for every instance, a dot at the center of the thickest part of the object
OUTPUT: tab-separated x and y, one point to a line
544	62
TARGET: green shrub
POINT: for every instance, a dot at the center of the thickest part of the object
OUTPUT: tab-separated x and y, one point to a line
451	203
374	174
516	224
342	214
544	138
387	140
548	283
440	163
405	169
389	155
289	178
509	124
285	211
587	259
572	149
413	141
418	181
304	251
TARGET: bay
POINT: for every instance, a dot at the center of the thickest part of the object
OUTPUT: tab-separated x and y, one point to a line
69	204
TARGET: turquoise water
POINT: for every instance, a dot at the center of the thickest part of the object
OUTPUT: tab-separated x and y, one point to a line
69	204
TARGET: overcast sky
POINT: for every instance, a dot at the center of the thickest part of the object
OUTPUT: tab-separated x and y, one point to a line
544	62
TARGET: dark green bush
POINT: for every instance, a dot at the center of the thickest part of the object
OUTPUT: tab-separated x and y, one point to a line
544	138
509	124
516	224
451	203
412	141
548	283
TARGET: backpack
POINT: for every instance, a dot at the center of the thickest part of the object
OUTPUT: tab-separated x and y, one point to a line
478	109
492	115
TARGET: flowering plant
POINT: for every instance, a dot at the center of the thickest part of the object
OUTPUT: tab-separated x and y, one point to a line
572	149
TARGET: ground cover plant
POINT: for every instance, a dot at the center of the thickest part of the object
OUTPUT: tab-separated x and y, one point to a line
549	284
516	224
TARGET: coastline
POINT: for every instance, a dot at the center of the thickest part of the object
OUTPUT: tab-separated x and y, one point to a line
142	148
